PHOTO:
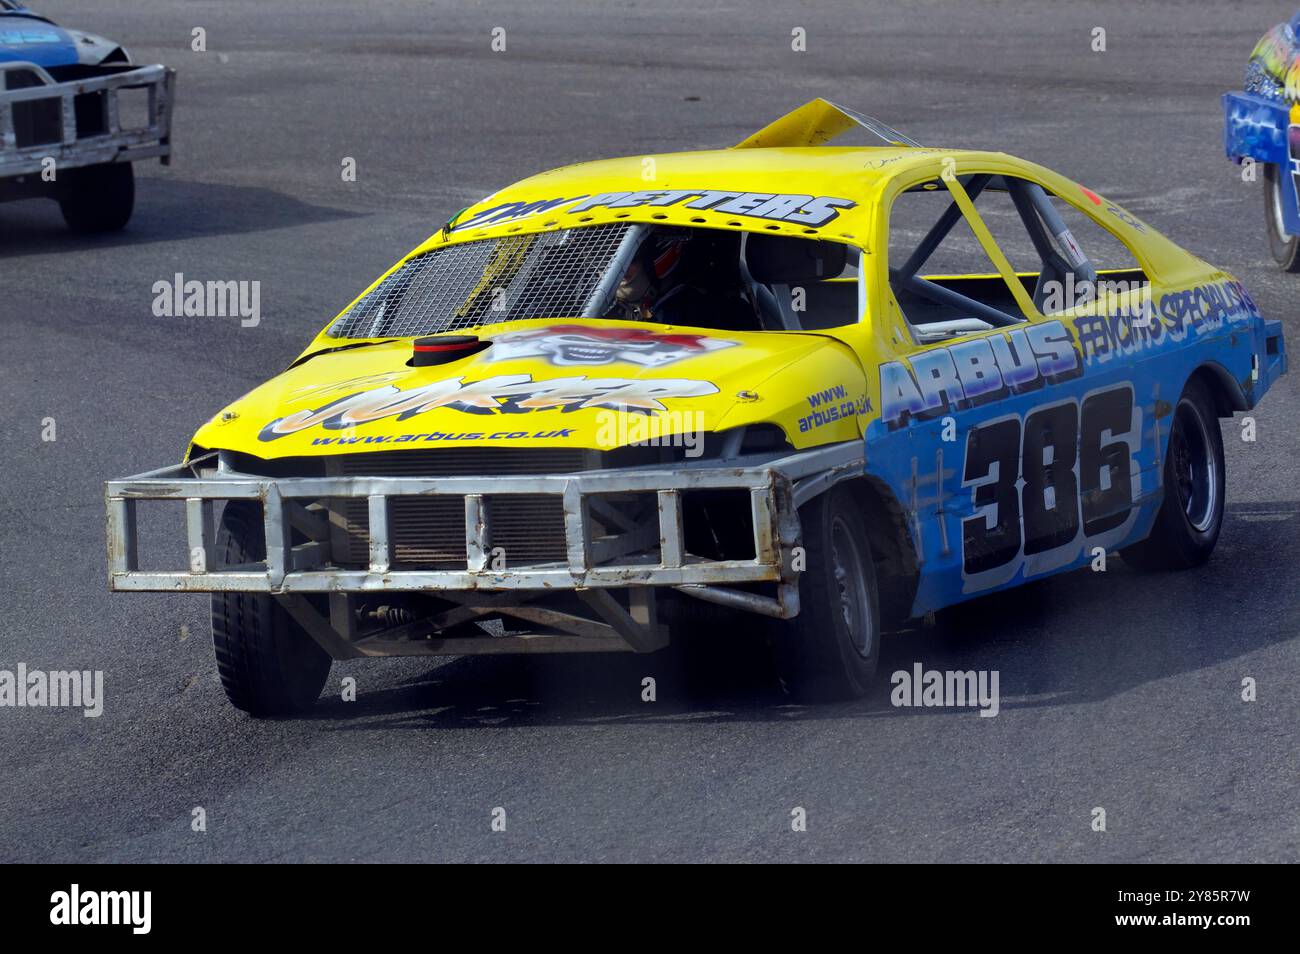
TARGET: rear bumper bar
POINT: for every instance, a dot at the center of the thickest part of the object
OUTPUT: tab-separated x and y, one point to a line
298	550
116	142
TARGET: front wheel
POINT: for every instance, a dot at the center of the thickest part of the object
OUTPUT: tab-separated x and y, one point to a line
98	198
1285	247
831	649
1191	514
268	664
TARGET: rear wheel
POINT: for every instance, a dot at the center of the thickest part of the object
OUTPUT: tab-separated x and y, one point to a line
97	198
831	649
1187	525
1285	247
268	663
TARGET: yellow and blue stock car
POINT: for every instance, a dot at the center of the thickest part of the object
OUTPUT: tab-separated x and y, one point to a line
826	388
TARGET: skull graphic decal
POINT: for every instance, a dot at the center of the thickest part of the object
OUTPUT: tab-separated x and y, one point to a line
572	345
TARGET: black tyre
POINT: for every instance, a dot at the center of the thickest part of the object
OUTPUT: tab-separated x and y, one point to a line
97	198
268	663
831	649
1285	248
1191	514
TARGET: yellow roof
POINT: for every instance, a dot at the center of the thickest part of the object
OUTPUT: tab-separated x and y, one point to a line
822	191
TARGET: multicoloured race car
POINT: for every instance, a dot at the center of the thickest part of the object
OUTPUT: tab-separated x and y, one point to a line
75	112
1262	125
832	388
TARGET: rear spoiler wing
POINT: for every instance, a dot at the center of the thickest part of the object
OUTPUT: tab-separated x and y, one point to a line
818	122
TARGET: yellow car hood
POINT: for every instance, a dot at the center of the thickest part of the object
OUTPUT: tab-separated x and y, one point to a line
540	383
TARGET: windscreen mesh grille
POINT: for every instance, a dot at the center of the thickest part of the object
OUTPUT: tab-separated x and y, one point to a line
545	275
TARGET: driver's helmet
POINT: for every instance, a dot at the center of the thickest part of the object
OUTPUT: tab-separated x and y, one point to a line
653	270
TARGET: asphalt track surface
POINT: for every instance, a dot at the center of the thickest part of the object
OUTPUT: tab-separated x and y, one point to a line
1119	690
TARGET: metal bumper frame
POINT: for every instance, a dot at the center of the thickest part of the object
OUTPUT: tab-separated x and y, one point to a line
116	144
776	488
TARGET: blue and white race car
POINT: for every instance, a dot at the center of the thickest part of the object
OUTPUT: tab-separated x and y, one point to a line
65	131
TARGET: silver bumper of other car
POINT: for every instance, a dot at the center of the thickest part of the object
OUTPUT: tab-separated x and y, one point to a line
41	122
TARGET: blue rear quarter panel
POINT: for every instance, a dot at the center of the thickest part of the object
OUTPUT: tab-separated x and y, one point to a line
1214	326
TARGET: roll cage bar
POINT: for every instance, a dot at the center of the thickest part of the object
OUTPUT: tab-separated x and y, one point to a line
1047	231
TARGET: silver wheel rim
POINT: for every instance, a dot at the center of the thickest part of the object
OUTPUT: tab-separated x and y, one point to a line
851	588
1275	187
1195	469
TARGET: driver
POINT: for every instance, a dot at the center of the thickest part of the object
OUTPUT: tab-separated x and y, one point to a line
676	283
649	279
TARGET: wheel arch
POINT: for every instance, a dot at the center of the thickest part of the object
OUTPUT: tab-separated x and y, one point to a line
892	551
1228	394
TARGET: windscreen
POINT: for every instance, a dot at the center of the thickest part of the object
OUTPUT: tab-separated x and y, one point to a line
542	275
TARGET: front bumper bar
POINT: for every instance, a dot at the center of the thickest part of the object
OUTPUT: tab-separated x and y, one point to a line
117	143
776	488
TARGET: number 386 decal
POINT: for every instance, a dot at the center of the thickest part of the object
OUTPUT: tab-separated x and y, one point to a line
1043	486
